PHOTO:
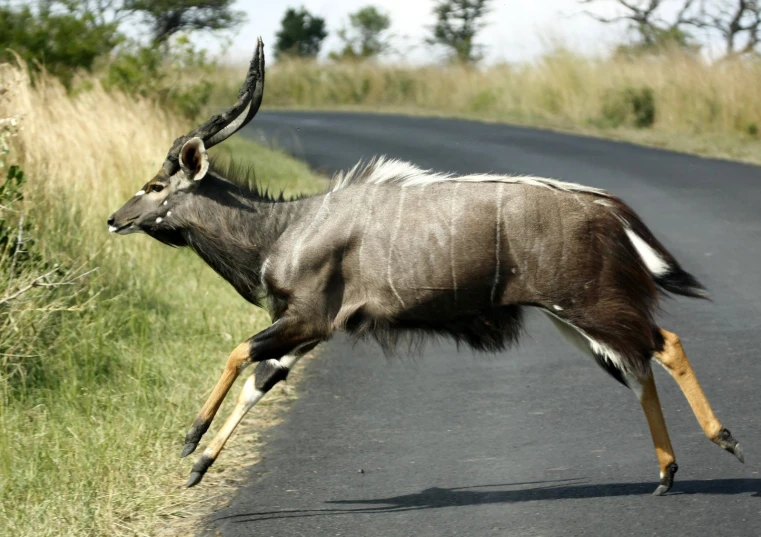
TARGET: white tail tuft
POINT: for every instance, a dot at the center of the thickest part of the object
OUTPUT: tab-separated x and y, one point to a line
653	261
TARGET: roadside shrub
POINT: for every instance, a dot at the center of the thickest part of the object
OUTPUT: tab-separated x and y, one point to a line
483	101
629	106
16	248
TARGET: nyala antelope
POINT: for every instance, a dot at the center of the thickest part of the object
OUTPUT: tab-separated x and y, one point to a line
394	252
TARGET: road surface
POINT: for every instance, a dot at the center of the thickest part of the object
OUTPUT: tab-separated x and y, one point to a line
538	441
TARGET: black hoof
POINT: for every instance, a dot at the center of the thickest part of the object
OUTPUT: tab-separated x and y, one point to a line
195	478
199	469
667	480
726	441
738	452
188	449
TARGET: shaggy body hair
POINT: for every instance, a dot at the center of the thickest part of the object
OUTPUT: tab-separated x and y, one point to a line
610	298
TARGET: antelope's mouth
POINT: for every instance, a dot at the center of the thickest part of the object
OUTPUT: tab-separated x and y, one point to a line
121	230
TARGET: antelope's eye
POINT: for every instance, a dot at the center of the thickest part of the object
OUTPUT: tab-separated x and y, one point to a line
157	188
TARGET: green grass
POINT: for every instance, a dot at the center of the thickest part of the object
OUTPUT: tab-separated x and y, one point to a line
95	396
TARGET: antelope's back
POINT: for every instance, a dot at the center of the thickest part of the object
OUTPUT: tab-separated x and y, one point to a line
449	247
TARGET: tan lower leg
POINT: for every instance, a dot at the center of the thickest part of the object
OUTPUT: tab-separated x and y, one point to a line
246	400
652	407
236	362
673	358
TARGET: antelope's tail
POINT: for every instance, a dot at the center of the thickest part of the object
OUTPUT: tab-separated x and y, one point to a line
664	268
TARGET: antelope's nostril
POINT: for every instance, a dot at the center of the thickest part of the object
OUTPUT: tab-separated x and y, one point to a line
110	220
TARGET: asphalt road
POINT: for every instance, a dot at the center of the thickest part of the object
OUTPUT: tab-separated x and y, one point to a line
538	441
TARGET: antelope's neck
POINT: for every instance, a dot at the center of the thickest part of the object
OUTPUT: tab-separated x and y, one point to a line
233	236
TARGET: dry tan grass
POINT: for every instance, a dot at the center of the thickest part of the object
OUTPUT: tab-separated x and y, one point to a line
712	109
102	390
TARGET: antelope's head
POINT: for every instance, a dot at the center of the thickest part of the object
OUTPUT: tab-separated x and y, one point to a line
152	208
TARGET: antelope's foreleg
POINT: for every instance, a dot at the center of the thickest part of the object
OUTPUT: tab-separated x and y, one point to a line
237	362
648	398
673	358
266	375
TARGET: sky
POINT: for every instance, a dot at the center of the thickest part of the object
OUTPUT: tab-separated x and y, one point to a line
517	30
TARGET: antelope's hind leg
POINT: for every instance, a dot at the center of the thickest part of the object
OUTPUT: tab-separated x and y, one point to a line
236	362
642	386
647	394
674	360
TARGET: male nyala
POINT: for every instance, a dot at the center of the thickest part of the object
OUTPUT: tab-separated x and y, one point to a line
394	252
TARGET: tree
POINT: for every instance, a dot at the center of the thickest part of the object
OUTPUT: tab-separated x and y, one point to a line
457	23
737	22
301	34
653	32
167	17
56	37
366	36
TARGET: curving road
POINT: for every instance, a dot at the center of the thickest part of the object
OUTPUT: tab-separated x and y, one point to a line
538	442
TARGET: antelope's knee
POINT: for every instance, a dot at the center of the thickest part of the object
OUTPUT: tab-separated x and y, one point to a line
240	357
672	355
268	373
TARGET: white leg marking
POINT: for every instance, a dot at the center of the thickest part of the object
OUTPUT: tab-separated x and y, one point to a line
248	398
584	343
391	246
289	360
654	262
497	241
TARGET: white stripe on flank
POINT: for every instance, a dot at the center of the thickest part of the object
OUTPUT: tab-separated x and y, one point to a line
452	228
654	262
497	242
262	272
315	225
391	246
368	220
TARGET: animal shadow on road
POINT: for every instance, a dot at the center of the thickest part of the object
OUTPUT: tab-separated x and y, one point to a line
567	489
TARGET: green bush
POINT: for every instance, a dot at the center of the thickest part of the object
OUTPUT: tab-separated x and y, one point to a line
15	246
483	101
629	106
161	73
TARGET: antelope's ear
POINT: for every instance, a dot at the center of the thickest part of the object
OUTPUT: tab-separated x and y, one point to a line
194	160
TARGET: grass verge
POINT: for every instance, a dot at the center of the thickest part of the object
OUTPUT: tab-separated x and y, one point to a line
675	101
100	379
